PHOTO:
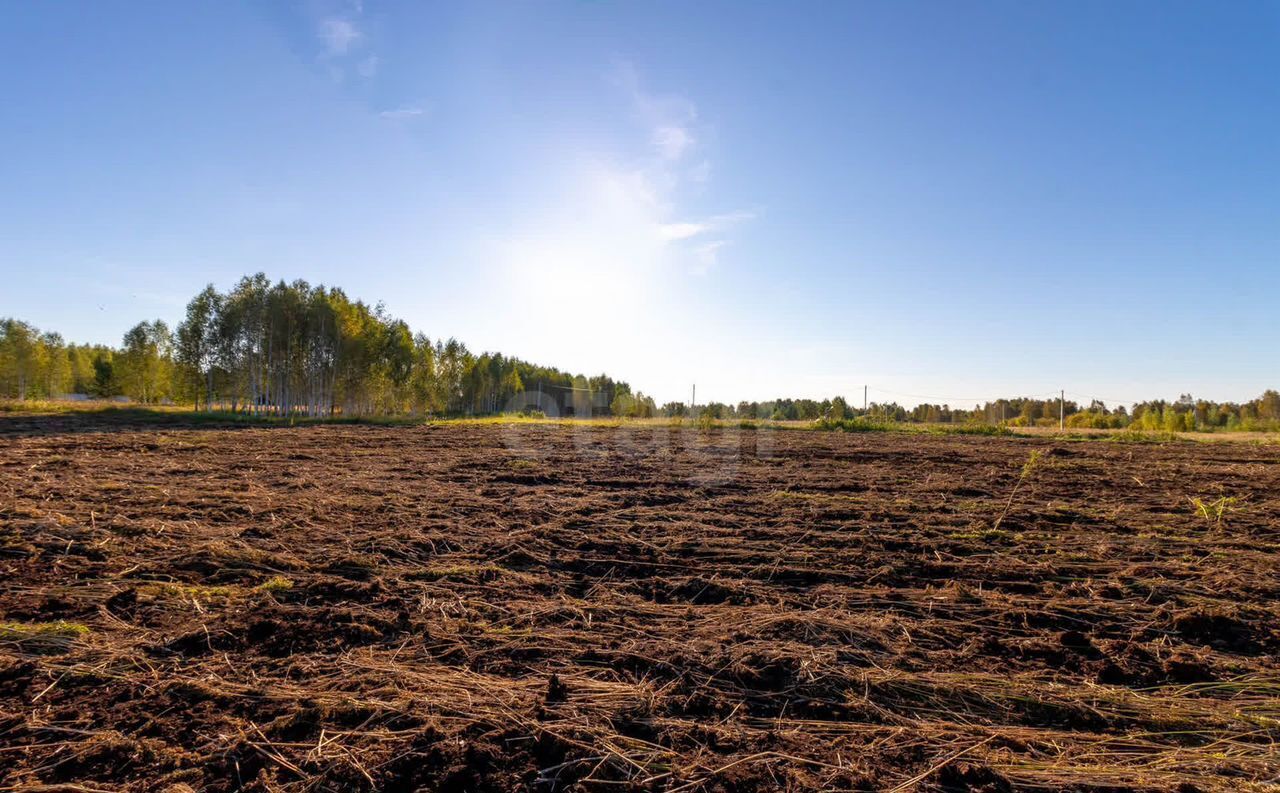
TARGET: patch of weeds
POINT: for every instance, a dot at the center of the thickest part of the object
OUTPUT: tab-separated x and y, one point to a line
275	584
1141	436
970	429
790	495
867	424
1215	511
1028	468
166	589
523	465
42	637
984	535
859	424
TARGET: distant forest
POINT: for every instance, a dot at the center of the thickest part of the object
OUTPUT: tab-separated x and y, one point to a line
294	349
1187	414
297	349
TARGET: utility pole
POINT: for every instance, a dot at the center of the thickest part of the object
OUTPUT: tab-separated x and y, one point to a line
693	399
1062	407
864	399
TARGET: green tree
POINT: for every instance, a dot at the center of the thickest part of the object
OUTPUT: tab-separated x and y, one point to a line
19	357
839	408
197	341
146	361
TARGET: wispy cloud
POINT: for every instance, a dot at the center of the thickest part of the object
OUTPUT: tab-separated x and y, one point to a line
402	113
675	158
338	35
707	256
687	229
672	142
669	118
347	47
680	231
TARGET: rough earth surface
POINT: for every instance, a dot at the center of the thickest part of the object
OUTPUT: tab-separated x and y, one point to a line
480	607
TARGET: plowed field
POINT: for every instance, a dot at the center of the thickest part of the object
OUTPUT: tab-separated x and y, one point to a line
479	607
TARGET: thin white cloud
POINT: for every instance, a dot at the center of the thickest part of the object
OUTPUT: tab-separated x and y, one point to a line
680	231
670	118
683	230
402	113
672	142
338	35
707	256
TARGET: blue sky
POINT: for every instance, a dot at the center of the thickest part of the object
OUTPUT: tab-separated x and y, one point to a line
941	200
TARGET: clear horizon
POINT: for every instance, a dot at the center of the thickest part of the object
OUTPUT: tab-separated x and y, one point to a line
946	203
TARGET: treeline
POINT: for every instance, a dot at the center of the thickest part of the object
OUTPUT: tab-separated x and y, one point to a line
35	365
838	408
296	349
1187	414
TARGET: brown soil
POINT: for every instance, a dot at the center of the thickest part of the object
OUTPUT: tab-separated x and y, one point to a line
546	608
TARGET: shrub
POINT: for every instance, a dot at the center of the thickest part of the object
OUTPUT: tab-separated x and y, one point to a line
858	424
970	429
1095	421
